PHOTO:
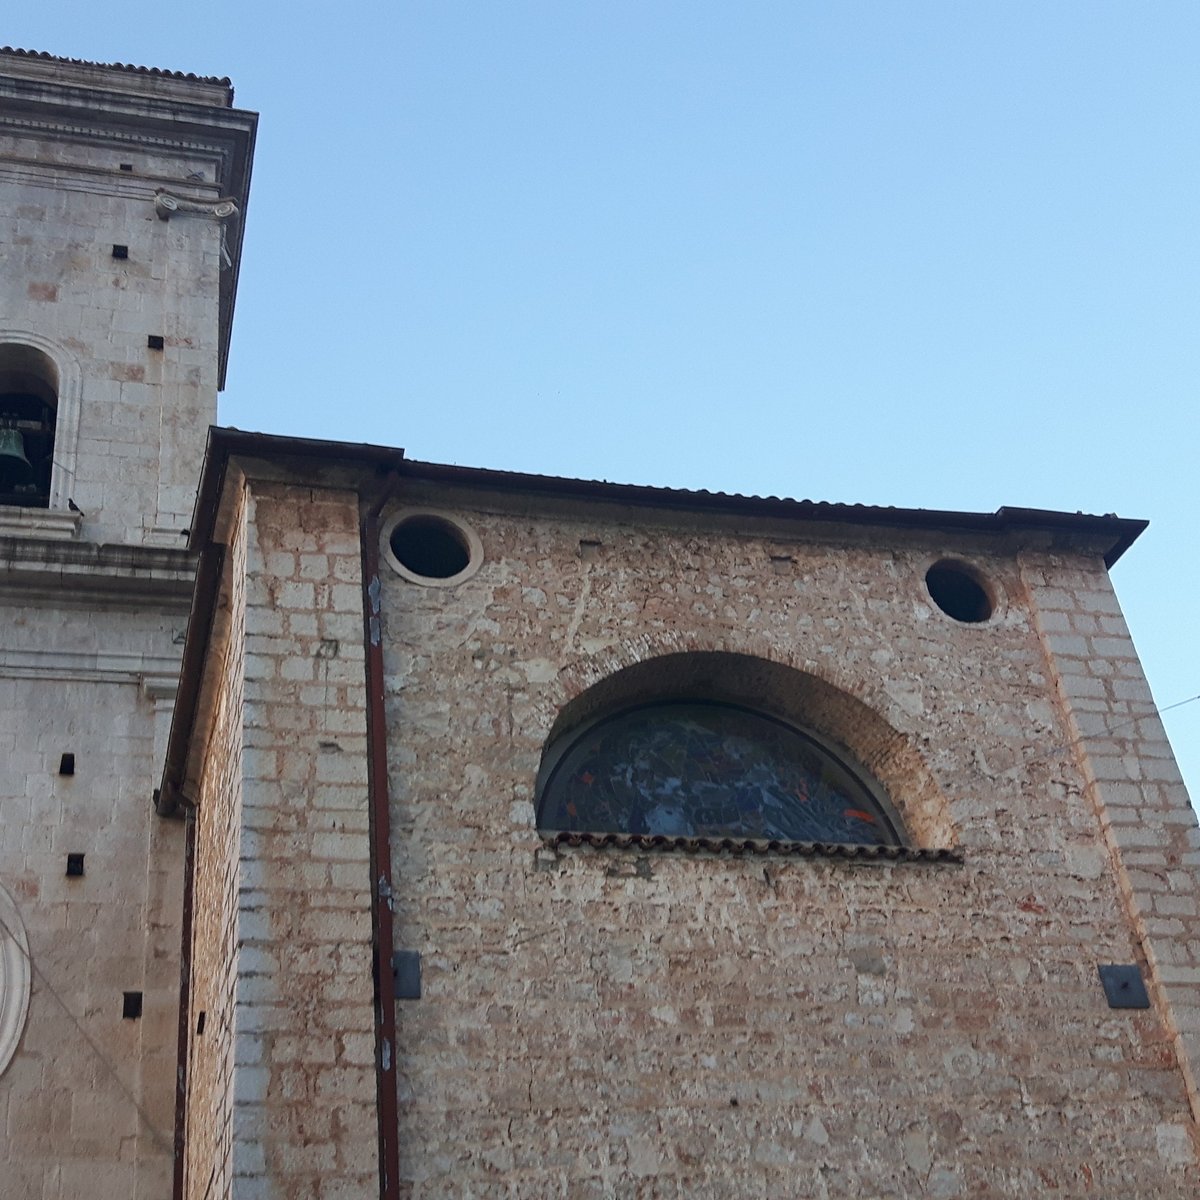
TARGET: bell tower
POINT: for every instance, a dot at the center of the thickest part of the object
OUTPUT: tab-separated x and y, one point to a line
122	229
122	197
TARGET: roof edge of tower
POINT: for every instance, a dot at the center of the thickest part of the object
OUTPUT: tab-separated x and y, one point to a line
90	73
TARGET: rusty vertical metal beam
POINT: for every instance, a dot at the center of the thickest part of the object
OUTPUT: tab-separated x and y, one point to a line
381	852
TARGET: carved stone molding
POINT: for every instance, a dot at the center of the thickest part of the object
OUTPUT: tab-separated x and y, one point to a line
157	674
39	523
20	124
167	206
15	978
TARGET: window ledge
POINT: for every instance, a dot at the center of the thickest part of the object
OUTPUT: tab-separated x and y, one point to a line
948	855
45	523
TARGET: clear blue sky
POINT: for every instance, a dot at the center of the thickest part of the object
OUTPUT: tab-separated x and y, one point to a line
929	254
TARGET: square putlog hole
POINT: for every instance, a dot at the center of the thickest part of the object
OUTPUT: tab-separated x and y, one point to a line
74	866
155	341
406	974
120	251
66	764
131	1007
1123	985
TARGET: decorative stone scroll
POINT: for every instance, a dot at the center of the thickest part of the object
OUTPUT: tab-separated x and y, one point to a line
14	978
168	206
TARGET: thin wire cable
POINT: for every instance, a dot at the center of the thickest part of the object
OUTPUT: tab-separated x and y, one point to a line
1055	751
160	1138
1177	704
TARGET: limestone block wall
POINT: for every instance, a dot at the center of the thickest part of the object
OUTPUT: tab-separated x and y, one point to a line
606	1023
1131	778
130	442
86	1103
209	1134
121	250
286	871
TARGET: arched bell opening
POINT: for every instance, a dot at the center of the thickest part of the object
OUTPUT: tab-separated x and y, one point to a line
28	421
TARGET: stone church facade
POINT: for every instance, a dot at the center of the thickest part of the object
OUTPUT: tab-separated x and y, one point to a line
452	832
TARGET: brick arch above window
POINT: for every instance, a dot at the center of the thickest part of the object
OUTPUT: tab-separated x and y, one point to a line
843	726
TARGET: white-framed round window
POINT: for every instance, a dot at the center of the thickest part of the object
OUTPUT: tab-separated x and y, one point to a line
431	547
14	978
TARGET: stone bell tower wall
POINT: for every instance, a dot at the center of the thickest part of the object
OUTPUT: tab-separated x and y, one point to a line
121	226
121	192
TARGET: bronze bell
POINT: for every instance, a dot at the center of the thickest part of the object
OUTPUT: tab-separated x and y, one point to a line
15	469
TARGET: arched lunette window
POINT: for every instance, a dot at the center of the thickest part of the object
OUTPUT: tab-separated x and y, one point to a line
695	769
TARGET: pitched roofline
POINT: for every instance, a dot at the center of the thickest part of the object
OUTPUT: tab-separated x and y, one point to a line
223	445
224	442
1121	531
310	454
1118	532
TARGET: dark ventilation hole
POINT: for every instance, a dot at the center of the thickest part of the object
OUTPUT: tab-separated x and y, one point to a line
957	591
126	166
120	251
431	547
66	764
154	341
74	866
131	1008
200	1022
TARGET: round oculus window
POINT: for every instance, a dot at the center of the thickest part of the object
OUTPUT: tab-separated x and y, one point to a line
433	548
959	591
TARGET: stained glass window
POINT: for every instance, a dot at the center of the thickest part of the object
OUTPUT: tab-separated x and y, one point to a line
697	770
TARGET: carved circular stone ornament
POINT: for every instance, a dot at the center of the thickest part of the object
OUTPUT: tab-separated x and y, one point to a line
14	978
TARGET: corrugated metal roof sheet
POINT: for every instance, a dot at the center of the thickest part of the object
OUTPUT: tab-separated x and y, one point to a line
1121	531
1118	532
